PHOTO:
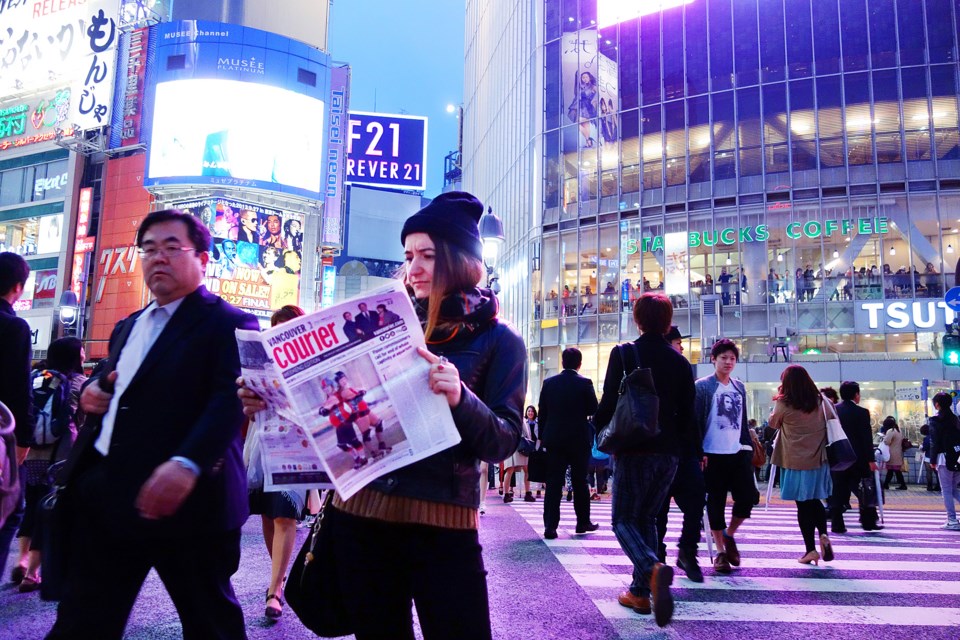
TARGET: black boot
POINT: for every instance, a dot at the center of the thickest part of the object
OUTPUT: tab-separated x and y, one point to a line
836	522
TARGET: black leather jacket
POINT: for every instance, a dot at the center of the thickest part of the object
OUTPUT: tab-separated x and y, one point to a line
492	361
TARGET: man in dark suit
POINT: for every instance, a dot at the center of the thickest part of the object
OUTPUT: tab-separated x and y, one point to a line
15	392
157	481
367	321
566	401
855	421
350	327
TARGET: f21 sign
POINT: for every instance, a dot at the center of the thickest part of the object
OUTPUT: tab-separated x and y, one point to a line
387	150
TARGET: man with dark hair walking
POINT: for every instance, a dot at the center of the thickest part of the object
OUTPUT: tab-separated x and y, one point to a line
15	350
721	411
566	401
690	494
156	480
855	421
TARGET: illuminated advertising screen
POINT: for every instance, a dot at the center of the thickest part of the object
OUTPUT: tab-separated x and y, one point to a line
232	106
387	150
255	256
611	12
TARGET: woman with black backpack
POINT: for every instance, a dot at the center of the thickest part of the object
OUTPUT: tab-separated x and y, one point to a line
56	395
944	452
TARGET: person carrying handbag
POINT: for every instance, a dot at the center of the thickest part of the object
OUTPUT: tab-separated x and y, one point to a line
64	368
642	474
800	453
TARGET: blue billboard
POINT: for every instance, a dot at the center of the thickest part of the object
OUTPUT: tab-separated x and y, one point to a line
232	106
387	150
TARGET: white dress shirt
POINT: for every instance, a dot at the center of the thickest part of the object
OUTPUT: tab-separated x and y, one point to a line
149	325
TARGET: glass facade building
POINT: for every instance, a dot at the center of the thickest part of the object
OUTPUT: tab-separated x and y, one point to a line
787	171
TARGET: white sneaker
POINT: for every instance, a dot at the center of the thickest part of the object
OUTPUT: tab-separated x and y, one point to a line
952	525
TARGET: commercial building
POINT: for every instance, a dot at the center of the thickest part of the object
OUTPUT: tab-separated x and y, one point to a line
787	171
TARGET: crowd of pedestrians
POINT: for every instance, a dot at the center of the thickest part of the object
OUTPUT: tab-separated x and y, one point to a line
148	452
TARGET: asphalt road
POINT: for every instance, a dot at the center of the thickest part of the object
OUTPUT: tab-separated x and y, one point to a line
902	582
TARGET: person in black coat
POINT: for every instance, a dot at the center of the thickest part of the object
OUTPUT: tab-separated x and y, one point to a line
642	475
16	347
156	479
366	321
350	328
945	455
567	400
855	421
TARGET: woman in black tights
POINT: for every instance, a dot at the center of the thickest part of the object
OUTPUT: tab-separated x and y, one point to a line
800	414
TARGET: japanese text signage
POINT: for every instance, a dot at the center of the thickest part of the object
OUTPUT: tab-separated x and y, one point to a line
83	243
129	107
387	150
49	43
35	121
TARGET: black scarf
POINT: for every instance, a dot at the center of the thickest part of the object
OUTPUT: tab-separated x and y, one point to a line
462	314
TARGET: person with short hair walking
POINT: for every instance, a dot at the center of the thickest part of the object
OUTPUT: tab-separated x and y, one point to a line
567	400
944	453
642	475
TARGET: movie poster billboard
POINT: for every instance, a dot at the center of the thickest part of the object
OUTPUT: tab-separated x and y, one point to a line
590	91
255	254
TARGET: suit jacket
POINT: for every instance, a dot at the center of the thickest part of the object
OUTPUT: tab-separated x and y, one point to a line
367	322
15	391
182	402
855	421
566	401
350	330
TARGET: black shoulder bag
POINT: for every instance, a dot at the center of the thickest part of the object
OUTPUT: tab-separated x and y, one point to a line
636	420
313	589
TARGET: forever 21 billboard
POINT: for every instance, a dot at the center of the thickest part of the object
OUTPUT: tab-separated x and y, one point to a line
387	150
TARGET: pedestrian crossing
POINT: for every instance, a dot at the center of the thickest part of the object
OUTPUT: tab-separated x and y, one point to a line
881	584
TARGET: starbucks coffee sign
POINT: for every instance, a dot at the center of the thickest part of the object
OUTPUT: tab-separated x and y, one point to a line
761	232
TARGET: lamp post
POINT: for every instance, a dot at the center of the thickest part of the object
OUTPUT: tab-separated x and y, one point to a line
491	233
70	313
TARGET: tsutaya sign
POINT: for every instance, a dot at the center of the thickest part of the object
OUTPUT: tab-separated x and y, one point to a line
761	232
901	315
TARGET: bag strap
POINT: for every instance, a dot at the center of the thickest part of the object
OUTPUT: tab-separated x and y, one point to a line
623	360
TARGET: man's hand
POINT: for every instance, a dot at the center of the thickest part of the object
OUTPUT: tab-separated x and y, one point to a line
703	463
165	490
22	454
933	465
873	466
94	400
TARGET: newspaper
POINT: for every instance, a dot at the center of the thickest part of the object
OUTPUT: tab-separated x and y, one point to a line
347	394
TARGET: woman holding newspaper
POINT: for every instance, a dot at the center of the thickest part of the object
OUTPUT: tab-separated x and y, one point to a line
411	535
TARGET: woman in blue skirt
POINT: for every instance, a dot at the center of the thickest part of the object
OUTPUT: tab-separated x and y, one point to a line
800	451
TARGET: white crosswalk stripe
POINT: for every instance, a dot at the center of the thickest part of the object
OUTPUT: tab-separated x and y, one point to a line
907	575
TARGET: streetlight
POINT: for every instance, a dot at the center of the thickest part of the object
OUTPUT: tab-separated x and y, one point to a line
491	233
69	311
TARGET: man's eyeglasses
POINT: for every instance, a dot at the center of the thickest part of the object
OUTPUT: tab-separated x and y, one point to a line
167	252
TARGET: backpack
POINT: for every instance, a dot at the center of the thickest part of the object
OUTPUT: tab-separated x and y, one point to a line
636	419
51	405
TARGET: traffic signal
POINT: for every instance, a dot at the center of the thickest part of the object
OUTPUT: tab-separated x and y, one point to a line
951	350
